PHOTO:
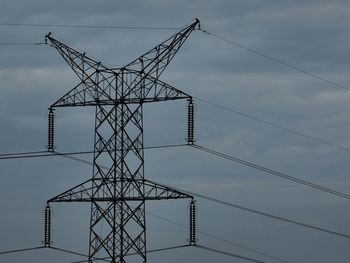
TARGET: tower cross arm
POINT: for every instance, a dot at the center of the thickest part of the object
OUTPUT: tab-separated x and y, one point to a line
157	59
150	89
106	91
88	191
89	92
157	191
82	65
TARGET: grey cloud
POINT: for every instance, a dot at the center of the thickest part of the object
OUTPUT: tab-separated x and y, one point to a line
312	35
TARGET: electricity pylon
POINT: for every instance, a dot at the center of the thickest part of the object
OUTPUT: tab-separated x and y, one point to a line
118	189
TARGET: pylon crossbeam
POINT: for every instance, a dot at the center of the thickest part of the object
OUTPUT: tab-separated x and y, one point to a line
92	93
155	60
84	192
81	64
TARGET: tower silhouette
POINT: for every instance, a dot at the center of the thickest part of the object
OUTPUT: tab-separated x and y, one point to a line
118	189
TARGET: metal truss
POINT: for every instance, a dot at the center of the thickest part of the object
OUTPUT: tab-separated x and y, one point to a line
118	190
85	192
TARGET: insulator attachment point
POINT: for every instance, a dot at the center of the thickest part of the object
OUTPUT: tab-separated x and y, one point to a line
198	23
47	36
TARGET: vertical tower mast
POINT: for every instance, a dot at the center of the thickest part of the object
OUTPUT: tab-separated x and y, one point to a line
118	190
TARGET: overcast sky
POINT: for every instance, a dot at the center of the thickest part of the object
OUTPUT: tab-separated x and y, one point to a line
311	35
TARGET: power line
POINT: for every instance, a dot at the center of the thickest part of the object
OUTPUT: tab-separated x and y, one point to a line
167	248
22	153
266	214
228	254
41	247
256	211
21	43
81	254
273	172
287	65
274	124
91	163
225	156
36	154
260	212
70	252
77	254
89	26
44	247
203	100
235	43
148	251
106	259
283	219
83	261
74	158
220	239
20	250
211	249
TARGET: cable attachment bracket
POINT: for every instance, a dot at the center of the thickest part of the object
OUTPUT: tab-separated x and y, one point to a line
51	130
46	37
192	240
190	122
198	23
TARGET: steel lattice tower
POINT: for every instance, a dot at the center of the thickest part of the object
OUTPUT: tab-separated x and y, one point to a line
118	189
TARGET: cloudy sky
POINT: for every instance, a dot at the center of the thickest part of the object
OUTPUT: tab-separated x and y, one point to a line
311	35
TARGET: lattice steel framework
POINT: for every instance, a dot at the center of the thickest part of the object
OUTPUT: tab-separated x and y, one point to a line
118	190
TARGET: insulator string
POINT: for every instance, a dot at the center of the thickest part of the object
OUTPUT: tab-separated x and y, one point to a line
51	131
193	238
47	227
190	122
